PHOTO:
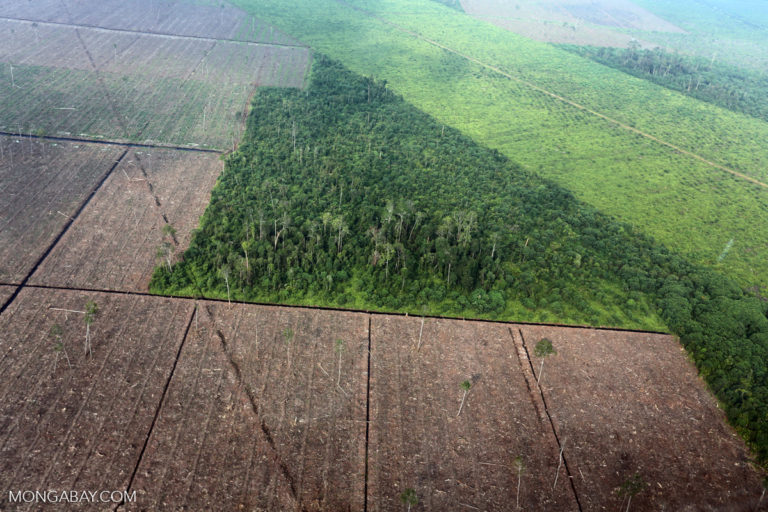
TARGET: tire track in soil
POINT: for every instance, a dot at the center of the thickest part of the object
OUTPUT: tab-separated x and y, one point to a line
63	231
159	406
556	96
255	408
530	385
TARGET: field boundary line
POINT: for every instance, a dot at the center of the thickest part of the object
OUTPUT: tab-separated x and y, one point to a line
159	405
558	97
63	231
109	142
560	446
367	418
333	309
164	35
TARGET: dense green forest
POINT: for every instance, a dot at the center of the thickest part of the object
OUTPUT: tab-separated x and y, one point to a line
345	194
737	89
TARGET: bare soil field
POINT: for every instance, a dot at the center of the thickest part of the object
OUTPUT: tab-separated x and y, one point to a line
570	21
201	19
5	293
123	86
82	427
209	406
457	462
42	184
113	244
632	403
266	411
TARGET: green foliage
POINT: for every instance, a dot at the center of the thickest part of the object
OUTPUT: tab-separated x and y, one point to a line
91	310
684	203
287	334
409	497
727	86
465	385
632	486
346	194
544	348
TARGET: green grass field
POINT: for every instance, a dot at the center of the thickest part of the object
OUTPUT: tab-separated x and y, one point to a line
688	205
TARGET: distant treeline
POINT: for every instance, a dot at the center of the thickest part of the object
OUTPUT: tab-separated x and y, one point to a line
727	86
456	4
344	194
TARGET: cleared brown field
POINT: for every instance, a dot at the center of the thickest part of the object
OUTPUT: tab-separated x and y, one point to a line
42	184
580	22
631	403
113	244
5	293
203	19
254	418
84	427
97	83
209	406
452	462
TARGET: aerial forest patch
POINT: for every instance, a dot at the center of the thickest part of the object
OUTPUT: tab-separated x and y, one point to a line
345	195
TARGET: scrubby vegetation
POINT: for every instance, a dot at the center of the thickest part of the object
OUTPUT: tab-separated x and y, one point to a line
346	194
737	89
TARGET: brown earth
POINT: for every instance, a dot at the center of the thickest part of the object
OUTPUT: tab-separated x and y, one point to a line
254	418
113	244
42	184
129	86
245	413
452	462
84	427
5	293
629	403
188	18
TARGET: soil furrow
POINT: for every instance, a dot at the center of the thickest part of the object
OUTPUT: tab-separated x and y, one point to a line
551	423
159	406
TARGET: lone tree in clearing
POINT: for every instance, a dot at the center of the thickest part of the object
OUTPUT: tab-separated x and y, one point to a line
465	386
519	466
543	349
58	346
90	315
631	487
409	498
